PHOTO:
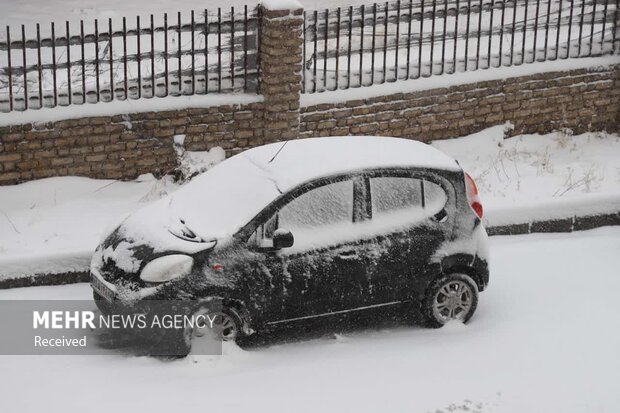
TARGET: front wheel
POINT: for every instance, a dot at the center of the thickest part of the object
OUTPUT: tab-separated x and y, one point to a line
452	297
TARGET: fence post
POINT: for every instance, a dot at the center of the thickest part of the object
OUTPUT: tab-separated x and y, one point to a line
280	70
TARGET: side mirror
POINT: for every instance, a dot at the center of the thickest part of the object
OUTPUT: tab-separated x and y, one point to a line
282	238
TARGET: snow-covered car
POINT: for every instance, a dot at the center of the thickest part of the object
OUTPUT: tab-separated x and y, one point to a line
302	229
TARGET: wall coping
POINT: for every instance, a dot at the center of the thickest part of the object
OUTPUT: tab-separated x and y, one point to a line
444	81
126	107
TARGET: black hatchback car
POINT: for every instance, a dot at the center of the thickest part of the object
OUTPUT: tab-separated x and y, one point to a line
302	229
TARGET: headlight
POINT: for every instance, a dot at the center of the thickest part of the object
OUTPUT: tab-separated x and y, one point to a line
167	268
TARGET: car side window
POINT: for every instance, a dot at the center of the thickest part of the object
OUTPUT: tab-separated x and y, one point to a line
405	199
312	216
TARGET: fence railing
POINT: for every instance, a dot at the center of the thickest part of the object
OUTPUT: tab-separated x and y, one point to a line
385	42
210	51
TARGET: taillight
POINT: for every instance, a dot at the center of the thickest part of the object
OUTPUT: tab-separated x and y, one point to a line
472	195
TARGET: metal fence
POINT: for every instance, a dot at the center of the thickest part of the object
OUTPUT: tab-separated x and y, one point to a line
101	61
385	42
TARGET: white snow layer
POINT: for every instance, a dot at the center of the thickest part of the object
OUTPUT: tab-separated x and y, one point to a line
125	107
543	339
532	177
281	4
53	225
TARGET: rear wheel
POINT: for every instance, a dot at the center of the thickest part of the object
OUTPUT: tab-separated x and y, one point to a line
452	297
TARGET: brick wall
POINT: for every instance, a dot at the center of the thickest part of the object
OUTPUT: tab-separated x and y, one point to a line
583	100
124	146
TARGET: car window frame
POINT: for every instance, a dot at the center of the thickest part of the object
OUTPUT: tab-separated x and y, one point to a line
423	174
357	177
246	232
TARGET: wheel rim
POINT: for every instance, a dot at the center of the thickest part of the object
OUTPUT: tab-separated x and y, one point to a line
453	301
224	327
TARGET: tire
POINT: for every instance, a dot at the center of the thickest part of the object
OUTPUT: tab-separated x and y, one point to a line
451	297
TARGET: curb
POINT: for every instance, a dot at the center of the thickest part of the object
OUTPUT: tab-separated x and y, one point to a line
571	224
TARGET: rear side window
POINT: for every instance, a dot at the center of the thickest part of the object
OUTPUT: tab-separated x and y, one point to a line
405	199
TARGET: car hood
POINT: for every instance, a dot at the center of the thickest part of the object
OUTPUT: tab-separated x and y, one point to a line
146	234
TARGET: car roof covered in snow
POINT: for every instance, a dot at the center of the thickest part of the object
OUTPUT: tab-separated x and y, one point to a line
303	160
223	199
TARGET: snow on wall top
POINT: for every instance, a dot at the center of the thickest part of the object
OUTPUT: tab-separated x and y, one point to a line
281	4
222	200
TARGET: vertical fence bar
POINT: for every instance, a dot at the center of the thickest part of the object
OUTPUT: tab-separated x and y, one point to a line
374	32
325	49
206	52
583	2
349	47
303	61
152	57
138	56
524	33
397	40
456	34
385	38
557	33
604	27
420	39
68	62
219	50
491	33
165	54
467	35
433	37
535	46
363	11
54	74
24	67
615	27
501	34
479	34
592	28
512	32
570	28
179	55
409	37
547	29
245	51
443	37
40	70
97	82
337	46
193	52
232	48
125	85
316	50
111	59
10	68
83	61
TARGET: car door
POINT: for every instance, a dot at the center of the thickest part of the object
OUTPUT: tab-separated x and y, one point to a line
409	216
317	274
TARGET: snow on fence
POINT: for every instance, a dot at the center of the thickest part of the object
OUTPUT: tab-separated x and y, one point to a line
385	42
190	53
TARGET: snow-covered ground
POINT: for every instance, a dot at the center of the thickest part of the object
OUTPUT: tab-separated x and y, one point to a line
53	225
544	339
534	177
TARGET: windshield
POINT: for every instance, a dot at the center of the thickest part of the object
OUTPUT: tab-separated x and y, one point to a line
221	201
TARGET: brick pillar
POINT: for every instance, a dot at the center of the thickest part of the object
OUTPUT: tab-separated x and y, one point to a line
280	70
